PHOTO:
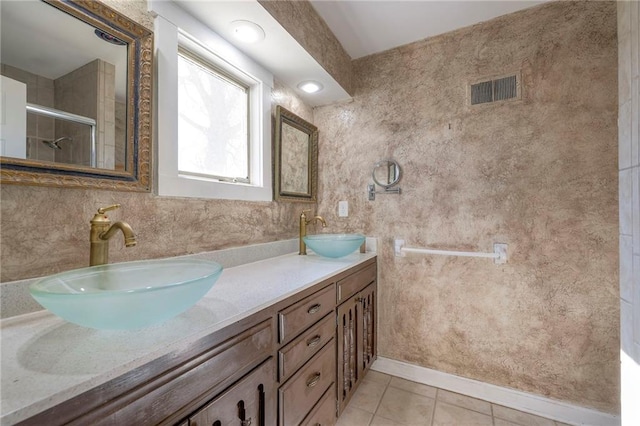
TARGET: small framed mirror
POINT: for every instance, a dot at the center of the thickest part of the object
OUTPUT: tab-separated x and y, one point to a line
76	96
296	158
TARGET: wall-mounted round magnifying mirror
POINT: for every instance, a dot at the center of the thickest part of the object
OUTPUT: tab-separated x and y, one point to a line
386	173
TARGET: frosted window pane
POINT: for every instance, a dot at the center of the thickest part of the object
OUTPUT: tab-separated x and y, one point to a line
212	123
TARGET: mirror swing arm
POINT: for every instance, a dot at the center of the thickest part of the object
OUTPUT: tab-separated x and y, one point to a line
371	189
391	172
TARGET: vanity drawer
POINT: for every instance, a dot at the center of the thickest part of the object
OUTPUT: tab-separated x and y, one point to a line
350	285
302	314
300	393
242	403
324	413
296	353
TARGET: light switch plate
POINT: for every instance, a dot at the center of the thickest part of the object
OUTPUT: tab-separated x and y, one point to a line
343	208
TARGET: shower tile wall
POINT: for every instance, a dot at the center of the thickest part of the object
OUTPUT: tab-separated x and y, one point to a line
40	91
539	174
629	182
88	91
106	115
120	151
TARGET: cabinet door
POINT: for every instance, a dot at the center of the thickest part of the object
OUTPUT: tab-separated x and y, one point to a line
250	402
366	347
356	342
347	333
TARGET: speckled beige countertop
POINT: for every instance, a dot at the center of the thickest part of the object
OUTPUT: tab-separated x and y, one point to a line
46	360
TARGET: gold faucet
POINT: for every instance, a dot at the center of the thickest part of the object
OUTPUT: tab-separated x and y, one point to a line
303	228
102	231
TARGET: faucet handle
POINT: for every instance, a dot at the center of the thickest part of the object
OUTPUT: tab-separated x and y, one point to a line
103	210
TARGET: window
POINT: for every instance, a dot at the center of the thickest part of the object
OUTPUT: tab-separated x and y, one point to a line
213	121
214	113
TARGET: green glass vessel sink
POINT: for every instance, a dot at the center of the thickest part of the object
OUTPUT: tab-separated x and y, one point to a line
130	295
334	245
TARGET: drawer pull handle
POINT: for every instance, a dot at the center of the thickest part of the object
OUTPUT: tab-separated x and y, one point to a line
313	380
313	309
314	341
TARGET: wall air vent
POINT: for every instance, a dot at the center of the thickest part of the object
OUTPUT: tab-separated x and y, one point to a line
499	89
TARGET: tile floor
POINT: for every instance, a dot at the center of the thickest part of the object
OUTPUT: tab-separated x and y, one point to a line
383	400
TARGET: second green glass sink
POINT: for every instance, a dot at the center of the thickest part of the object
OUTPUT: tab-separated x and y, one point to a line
334	245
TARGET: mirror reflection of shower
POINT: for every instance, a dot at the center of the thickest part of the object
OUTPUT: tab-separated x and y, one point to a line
62	137
65	72
54	144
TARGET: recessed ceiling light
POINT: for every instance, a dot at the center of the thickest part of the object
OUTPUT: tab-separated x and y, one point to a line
310	86
247	31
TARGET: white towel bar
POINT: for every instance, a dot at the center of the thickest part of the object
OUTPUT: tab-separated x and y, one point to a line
499	254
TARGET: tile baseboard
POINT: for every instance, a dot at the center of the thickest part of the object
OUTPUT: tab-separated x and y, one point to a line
518	400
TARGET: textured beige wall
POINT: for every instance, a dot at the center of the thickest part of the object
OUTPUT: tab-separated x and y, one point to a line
538	174
302	21
46	230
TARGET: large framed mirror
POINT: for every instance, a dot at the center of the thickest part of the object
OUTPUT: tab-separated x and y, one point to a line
296	158
76	89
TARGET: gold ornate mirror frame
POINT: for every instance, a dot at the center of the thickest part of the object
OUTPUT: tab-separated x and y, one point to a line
137	176
296	173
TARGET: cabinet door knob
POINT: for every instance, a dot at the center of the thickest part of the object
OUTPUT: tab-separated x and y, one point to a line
246	422
313	380
313	309
314	341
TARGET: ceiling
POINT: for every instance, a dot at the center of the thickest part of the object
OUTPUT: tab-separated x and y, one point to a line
363	27
367	27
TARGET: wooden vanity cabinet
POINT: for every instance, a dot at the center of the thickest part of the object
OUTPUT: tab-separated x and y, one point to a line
287	364
341	344
356	335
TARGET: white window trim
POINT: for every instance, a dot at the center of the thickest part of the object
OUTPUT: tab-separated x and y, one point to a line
169	23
